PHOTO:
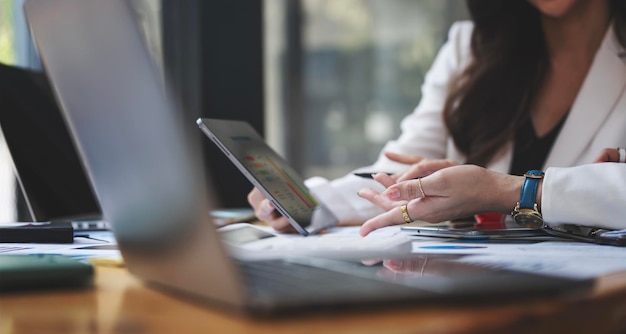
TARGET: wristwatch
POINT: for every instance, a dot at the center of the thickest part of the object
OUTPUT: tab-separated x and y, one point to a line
526	213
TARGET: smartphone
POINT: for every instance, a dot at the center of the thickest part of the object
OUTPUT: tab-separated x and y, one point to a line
473	233
588	234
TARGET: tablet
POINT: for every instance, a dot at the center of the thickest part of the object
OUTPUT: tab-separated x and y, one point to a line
269	173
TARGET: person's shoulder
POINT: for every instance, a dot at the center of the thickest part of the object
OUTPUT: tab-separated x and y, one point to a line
612	41
460	32
459	40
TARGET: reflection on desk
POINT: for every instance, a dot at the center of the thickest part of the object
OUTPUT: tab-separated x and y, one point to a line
121	303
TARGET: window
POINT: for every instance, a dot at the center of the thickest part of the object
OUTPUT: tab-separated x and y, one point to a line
7	56
361	66
339	74
6	32
16	49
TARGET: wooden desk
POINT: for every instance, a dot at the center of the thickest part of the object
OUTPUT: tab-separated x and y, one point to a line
119	303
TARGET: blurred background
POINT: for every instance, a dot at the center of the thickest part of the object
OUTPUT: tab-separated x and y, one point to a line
325	81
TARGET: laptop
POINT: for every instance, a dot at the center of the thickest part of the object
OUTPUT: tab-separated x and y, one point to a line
142	157
44	157
270	173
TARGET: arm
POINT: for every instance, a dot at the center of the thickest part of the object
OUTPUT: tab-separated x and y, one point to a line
451	193
591	195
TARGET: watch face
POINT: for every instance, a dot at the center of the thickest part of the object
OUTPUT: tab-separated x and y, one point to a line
528	220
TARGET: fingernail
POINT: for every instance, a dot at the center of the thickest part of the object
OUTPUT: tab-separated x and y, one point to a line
393	194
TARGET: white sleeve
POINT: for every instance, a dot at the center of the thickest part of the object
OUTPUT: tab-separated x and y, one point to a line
592	195
423	133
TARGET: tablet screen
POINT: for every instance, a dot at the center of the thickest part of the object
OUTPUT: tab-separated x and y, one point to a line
269	172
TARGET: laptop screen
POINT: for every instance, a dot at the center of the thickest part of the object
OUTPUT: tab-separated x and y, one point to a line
49	172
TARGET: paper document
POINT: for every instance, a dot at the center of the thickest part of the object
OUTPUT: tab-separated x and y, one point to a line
562	259
100	244
253	242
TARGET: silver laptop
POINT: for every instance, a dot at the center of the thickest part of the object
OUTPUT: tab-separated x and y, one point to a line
141	156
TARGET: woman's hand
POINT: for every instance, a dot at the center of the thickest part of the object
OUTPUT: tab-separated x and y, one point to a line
451	193
264	210
612	155
420	166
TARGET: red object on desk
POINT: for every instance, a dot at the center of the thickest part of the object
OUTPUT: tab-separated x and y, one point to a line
489	221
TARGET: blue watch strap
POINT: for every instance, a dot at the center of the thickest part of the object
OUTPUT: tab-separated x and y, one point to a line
528	195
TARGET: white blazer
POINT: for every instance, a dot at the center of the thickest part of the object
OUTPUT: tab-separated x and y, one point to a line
592	195
596	121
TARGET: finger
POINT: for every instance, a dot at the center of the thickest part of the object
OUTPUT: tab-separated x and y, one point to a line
394	264
403	158
278	222
425	168
611	155
282	225
384	179
391	217
380	201
403	191
405	265
405	175
370	263
608	155
255	197
265	211
369	194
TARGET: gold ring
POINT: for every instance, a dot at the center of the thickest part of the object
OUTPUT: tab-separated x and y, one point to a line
419	183
405	214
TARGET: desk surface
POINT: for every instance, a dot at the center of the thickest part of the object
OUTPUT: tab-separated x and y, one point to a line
121	303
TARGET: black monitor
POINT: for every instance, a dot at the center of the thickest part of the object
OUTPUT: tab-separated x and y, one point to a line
49	172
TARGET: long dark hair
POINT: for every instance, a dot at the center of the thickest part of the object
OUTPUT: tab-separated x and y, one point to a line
496	90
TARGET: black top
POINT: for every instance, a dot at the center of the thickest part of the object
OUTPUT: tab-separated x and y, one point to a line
530	151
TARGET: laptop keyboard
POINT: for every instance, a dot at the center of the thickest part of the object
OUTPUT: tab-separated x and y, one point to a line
90	225
279	282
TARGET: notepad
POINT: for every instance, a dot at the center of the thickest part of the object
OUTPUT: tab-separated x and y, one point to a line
25	272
